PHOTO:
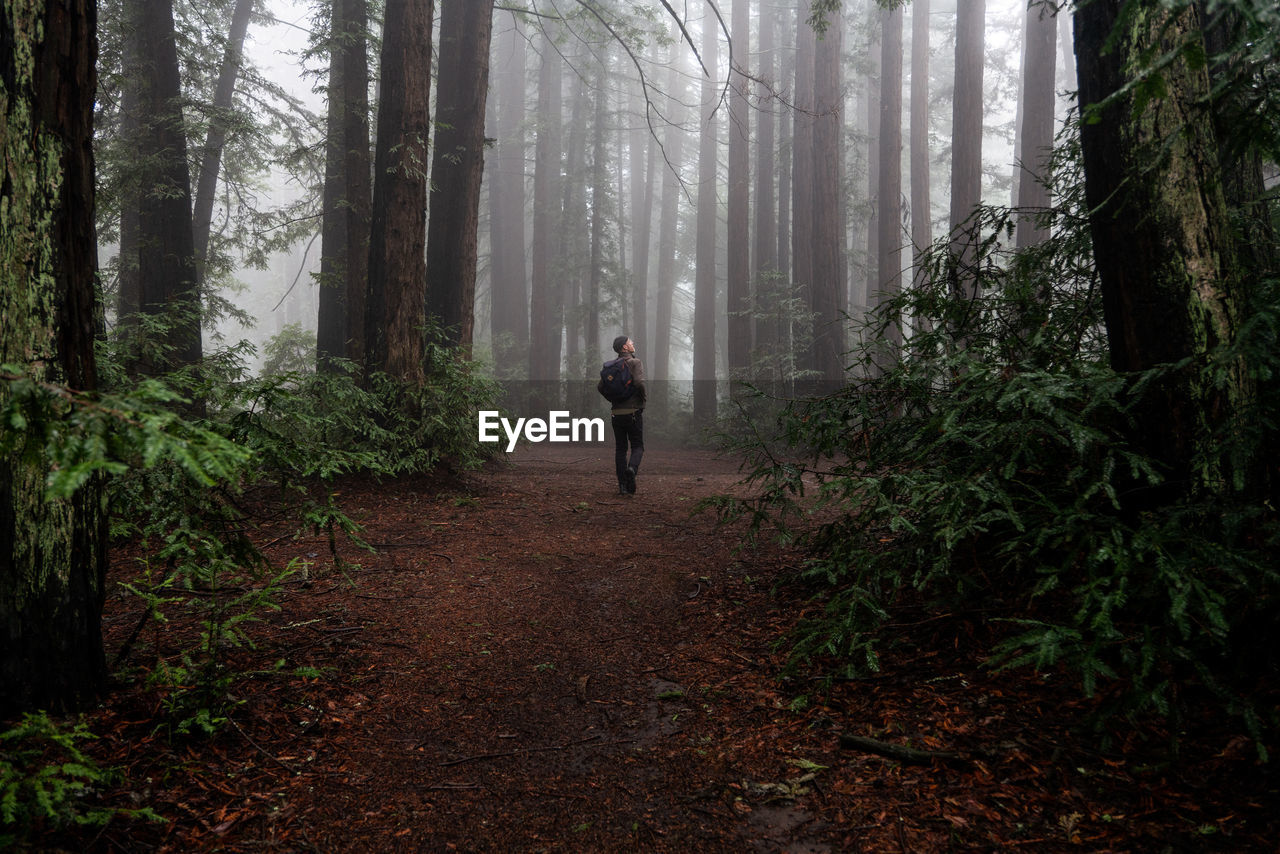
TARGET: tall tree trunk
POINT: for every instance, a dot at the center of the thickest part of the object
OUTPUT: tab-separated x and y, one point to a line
357	173
828	227
802	174
1163	253
1035	136
921	213
573	242
966	141
889	233
52	551
344	258
457	167
765	271
216	136
166	247
786	72
545	318
738	262
669	219
704	287
396	309
872	87
643	159
599	214
509	316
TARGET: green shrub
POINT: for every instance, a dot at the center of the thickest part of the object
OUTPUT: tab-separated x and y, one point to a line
45	778
986	467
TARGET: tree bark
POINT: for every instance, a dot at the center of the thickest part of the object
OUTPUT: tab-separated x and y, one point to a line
802	175
828	226
966	141
643	159
1035	137
52	551
344	259
738	261
669	219
921	213
166	246
889	217
397	271
545	318
509	315
704	288
1163	253
766	237
216	136
457	167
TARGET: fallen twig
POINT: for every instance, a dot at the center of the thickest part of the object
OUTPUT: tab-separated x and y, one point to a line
900	752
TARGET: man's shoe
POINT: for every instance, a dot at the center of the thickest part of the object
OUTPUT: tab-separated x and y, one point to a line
622	489
630	475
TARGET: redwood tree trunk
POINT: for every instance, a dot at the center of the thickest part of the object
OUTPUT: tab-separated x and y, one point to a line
509	314
802	174
166	246
668	222
457	167
766	238
704	288
344	259
889	236
828	225
921	214
738	262
1162	249
544	307
216	136
397	242
52	551
1035	138
966	139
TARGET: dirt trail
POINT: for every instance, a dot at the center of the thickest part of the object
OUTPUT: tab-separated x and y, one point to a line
531	662
543	678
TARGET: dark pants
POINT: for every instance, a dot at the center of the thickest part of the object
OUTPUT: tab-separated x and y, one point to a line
628	429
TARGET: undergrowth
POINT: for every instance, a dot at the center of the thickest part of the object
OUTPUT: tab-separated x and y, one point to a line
986	466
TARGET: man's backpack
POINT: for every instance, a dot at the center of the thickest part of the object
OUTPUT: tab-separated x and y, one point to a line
615	381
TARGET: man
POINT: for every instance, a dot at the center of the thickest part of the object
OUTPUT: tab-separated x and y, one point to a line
628	423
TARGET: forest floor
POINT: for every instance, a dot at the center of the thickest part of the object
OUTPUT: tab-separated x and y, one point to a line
531	662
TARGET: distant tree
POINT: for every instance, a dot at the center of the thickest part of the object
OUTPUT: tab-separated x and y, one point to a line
457	166
765	255
545	307
52	551
673	136
643	152
344	231
1035	135
704	288
921	214
600	204
802	175
828	225
738	260
889	236
509	314
396	311
966	137
166	246
216	135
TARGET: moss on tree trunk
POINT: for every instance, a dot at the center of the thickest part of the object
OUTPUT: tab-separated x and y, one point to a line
52	550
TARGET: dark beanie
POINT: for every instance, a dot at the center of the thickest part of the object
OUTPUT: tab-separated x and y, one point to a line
619	343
